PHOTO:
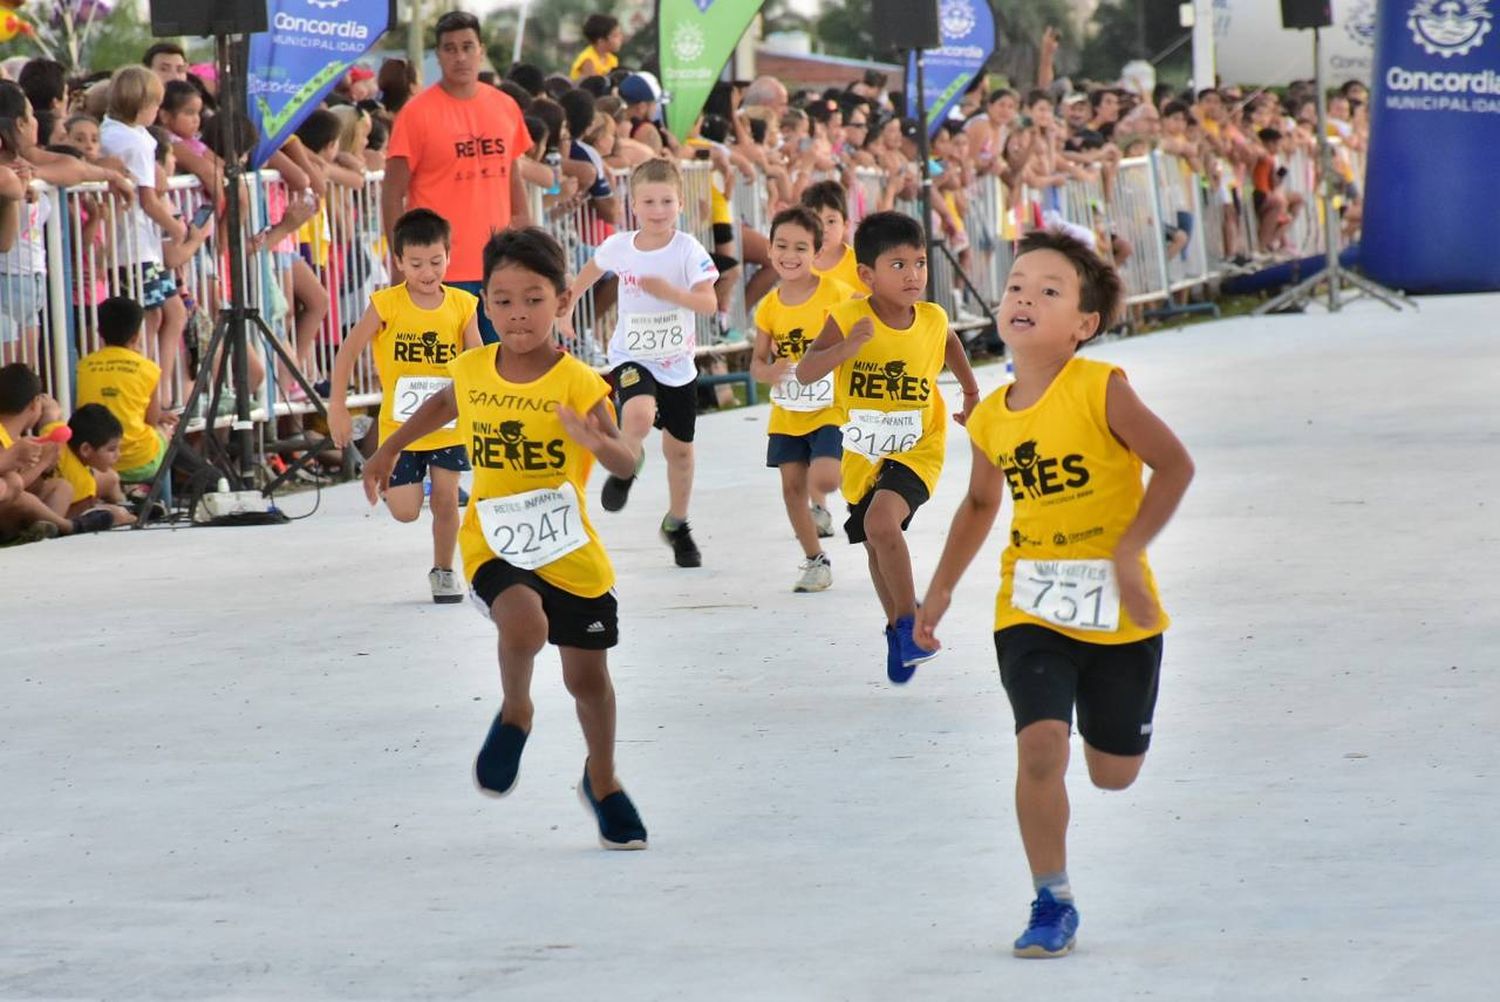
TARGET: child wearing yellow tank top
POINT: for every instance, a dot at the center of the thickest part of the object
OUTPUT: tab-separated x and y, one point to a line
805	442
885	354
535	419
415	329
1077	620
830	203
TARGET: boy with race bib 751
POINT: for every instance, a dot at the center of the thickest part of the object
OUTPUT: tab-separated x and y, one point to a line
666	277
415	329
1077	619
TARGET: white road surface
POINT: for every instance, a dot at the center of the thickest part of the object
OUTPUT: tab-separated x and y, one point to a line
234	763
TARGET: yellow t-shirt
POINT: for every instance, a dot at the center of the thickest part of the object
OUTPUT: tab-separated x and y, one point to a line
412	350
74	470
896	370
1076	487
123	380
517	444
609	62
847	271
793	329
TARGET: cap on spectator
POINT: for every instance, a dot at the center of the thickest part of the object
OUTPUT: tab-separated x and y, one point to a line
640	87
358	73
1075	98
207	72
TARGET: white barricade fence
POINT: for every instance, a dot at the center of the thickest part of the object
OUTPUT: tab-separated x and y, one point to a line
1164	224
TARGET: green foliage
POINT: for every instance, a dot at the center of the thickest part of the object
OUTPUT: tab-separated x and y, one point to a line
1136	29
117	40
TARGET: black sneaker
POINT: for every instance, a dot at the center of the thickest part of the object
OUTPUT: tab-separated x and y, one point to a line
615	493
620	827
499	761
680	539
94	520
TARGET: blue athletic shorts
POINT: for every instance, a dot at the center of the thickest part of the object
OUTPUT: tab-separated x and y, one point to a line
411	466
826	442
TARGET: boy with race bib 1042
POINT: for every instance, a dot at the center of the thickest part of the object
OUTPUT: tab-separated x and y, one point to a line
1077	619
885	353
415	329
535	419
806	441
666	277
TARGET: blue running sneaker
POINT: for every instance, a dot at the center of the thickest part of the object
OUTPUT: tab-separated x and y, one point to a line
1052	928
912	654
620	827
893	669
499	761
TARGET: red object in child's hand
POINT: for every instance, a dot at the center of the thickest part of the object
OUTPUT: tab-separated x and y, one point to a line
60	434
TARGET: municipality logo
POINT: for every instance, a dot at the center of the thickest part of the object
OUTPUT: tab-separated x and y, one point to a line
328	4
687	42
1360	24
957	18
1449	27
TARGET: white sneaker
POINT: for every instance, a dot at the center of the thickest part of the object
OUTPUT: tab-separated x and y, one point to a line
817	574
447	588
823	520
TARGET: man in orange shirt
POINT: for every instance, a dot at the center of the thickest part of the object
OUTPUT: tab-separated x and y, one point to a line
451	151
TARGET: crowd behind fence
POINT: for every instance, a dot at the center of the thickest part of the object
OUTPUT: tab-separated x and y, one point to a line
1162	223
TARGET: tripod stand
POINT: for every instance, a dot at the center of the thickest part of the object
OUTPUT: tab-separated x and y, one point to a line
925	193
1333	272
231	331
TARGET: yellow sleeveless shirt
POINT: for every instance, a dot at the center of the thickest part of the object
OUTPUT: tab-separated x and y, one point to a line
517	444
1076	490
609	61
896	370
412	350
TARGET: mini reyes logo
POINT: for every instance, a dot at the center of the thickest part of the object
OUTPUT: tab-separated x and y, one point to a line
687	42
1449	28
957	18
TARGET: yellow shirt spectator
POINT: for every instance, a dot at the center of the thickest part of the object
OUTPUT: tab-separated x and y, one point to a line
124	381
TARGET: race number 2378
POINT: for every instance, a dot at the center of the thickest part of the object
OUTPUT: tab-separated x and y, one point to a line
877	434
1081	594
414	391
533	529
656	337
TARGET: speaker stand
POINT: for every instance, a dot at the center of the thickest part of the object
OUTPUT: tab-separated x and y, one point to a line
1338	278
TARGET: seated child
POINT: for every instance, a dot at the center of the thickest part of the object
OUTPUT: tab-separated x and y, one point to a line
31	507
124	381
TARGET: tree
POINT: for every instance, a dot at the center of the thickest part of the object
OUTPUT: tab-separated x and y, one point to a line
1136	29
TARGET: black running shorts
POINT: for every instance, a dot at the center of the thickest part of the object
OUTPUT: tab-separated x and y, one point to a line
1113	685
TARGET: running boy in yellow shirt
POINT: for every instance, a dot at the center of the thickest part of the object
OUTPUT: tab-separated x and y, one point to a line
835	258
886	353
415	329
535	419
806	442
1077	618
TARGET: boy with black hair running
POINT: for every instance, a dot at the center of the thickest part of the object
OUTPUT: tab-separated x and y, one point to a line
806	443
535	419
666	277
1077	619
886	352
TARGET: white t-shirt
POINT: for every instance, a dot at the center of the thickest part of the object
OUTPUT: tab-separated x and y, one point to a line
28	256
139	238
682	262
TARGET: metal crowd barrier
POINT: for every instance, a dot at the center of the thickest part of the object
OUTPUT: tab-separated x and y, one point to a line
79	245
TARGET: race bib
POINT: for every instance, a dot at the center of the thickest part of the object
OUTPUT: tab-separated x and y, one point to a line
1081	594
413	391
533	529
658	337
791	395
877	434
